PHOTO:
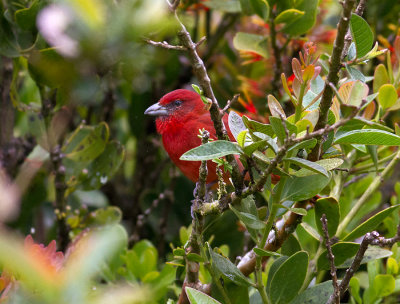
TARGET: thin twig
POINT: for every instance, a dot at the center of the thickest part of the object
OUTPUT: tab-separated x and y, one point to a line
231	102
275	239
277	53
166	45
371	238
354	180
331	257
203	172
333	77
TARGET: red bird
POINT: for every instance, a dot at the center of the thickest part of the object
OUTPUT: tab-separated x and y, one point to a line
180	115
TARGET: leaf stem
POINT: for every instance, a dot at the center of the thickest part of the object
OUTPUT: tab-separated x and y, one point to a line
260	284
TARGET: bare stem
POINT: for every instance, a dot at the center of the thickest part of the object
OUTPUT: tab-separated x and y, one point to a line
331	257
333	77
371	238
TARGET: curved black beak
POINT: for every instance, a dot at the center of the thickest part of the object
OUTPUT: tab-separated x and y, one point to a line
156	110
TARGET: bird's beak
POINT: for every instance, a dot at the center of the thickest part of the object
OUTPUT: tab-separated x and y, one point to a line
156	110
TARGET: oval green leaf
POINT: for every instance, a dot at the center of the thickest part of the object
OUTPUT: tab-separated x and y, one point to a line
315	295
288	279
370	224
368	137
302	188
309	165
228	269
198	297
362	35
288	16
251	43
211	150
342	252
330	207
387	96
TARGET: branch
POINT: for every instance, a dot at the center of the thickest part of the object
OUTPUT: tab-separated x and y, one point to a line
203	172
331	257
371	238
166	45
231	102
275	240
60	202
6	108
277	54
333	77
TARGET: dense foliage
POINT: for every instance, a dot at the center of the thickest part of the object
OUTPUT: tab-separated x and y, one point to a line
108	218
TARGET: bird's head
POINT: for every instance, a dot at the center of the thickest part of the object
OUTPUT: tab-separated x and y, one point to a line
175	108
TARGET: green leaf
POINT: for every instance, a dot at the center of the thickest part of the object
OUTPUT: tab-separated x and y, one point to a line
211	150
258	7
8	44
373	152
315	295
269	141
198	297
371	223
330	207
87	142
274	268
355	289
306	21
302	188
384	285
179	252
311	231
103	168
228	6
26	17
373	253
241	138
381	77
38	129
361	123
309	165
279	130
249	220
299	211
342	252
288	16
355	73
288	279
275	107
309	143
255	126
291	245
105	216
262	252
194	257
236	124
228	269
352	52
387	96
251	43
368	137
362	35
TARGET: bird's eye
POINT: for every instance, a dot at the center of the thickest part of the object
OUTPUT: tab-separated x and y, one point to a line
178	102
